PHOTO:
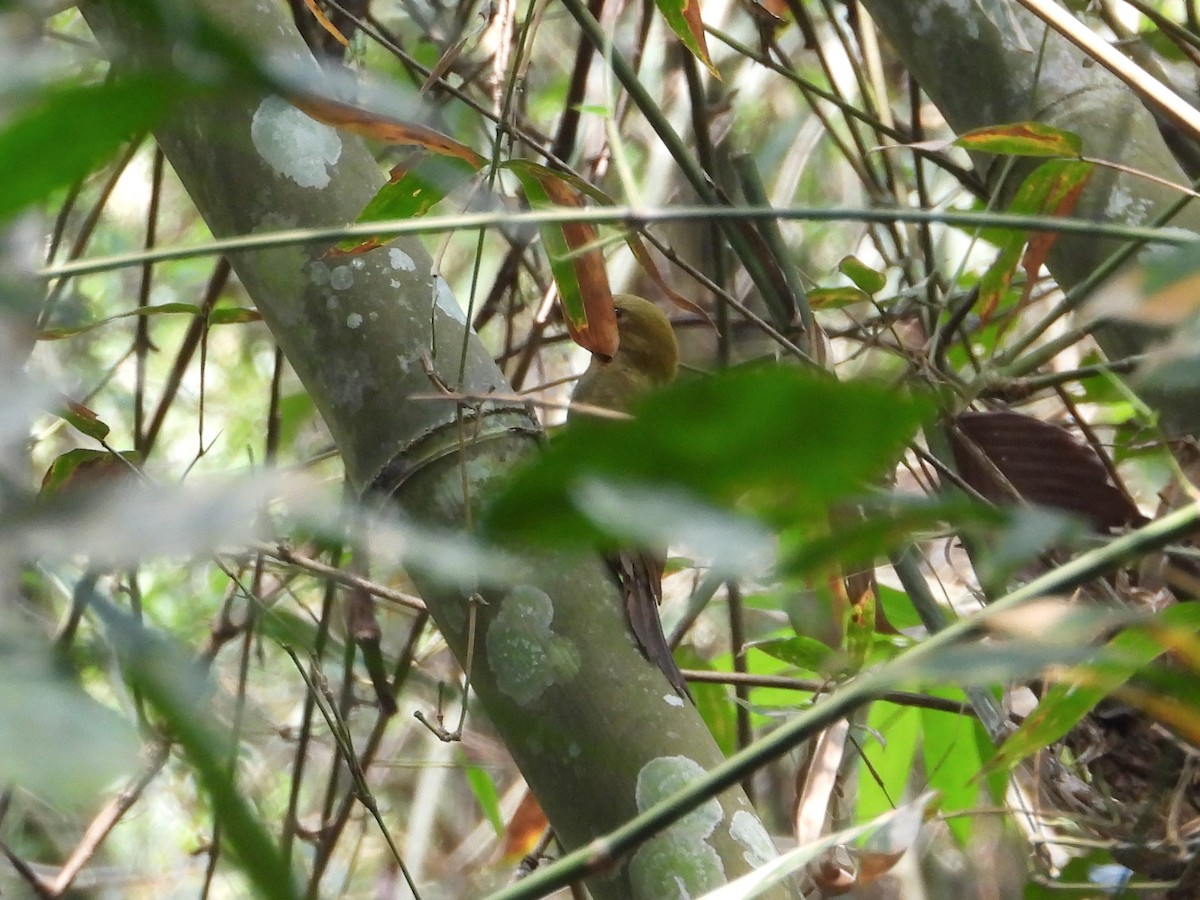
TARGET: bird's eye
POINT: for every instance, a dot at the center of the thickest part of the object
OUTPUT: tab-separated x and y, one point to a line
619	312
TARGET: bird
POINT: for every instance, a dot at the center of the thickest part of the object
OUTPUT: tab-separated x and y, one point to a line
646	358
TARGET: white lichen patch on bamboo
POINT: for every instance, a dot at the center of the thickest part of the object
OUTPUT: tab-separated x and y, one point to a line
347	386
400	260
353	321
679	862
318	272
1123	206
524	653
445	299
297	147
341	278
747	830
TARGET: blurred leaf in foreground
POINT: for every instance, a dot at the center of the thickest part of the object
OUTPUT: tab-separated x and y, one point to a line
47	721
769	441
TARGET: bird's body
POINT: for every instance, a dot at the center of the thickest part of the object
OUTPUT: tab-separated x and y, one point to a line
648	357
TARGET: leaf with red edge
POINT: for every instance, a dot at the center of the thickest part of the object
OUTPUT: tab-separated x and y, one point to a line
1065	181
413	189
684	18
1022	139
82	468
575	259
83	419
1052	188
1044	463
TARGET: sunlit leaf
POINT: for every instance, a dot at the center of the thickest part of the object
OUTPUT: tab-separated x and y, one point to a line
1073	696
712	700
889	746
869	280
950	751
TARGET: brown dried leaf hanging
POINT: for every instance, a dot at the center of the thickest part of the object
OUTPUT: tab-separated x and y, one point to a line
1044	463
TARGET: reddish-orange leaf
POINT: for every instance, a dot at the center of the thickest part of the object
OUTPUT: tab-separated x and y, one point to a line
384	128
771	14
525	828
325	23
582	279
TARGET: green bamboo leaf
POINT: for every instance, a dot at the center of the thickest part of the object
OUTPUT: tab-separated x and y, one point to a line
162	309
483	786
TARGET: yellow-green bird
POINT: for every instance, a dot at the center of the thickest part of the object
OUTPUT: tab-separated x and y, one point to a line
648	357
